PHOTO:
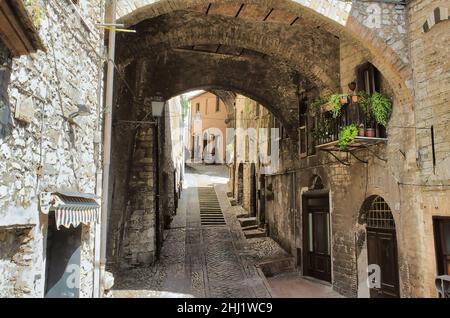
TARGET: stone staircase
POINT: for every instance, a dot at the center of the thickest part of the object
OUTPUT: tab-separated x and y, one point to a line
250	227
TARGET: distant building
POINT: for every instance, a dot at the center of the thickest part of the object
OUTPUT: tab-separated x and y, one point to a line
208	129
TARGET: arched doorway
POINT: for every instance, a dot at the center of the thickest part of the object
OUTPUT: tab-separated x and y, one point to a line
381	249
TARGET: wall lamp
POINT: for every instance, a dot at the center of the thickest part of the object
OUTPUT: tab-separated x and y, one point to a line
157	106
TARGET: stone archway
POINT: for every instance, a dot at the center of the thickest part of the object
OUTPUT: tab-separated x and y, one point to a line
378	269
340	18
272	83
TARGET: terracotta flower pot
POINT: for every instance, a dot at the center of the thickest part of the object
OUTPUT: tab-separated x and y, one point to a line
344	100
355	98
370	132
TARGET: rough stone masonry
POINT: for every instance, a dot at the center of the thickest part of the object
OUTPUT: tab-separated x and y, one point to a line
39	149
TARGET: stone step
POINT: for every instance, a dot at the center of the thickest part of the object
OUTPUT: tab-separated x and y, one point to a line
251	227
278	266
248	221
254	233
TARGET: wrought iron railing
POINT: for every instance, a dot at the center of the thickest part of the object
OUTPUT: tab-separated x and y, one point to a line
328	129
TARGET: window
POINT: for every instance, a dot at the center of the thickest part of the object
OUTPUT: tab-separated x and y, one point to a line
442	244
197	107
217	104
368	79
258	110
379	216
206	106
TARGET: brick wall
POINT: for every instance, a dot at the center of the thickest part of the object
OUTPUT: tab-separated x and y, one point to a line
429	59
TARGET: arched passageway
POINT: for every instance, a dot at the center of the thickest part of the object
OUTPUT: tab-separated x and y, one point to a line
281	54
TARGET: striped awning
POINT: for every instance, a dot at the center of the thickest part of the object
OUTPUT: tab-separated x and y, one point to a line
71	208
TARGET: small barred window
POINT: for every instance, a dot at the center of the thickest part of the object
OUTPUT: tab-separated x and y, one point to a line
379	215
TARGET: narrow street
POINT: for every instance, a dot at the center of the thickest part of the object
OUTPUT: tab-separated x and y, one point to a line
203	260
224	149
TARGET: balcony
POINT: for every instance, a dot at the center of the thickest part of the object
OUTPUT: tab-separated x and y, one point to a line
328	129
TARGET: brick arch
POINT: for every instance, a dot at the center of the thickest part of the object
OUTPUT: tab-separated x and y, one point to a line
318	63
272	85
333	16
131	11
262	100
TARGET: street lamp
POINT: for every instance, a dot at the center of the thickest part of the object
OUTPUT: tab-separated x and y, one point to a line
157	106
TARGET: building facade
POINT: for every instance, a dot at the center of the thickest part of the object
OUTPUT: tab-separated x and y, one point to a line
208	129
49	116
339	212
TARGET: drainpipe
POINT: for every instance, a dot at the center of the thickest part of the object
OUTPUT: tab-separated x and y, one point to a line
110	18
97	160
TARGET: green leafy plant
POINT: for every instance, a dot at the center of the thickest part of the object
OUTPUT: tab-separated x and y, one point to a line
335	101
364	101
316	104
347	136
381	108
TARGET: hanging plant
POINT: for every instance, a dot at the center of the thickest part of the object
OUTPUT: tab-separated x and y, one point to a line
335	101
347	136
381	108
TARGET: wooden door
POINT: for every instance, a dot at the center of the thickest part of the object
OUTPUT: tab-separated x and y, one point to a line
316	238
382	251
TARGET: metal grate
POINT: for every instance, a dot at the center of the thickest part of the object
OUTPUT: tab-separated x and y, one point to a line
210	211
379	216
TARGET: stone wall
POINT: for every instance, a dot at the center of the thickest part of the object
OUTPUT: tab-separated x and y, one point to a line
145	172
16	262
429	58
39	149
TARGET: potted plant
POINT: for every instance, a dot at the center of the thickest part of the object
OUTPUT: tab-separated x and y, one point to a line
365	103
355	98
335	103
381	108
343	99
347	136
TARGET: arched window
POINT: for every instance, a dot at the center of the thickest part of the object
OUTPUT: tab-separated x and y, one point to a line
379	215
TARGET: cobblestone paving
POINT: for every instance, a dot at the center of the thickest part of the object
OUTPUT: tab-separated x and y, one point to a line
201	261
